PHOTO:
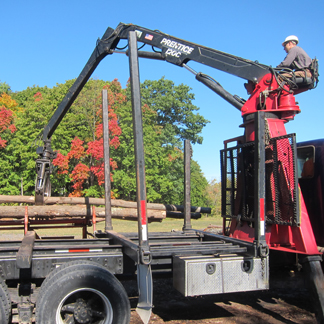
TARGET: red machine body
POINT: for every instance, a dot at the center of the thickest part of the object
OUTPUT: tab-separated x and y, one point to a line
278	100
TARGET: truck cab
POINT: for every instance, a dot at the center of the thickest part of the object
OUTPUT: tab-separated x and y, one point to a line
310	165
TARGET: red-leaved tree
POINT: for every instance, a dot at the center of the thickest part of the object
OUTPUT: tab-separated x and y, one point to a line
85	160
6	116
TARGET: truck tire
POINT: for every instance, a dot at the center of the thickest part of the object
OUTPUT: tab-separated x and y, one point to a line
5	303
82	292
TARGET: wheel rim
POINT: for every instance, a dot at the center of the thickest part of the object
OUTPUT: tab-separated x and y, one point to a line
86	306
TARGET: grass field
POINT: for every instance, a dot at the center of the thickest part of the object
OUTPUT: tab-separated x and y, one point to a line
166	225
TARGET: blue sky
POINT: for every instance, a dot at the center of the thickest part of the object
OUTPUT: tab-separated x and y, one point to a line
48	42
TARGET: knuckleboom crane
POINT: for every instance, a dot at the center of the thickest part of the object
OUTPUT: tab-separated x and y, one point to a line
261	200
172	50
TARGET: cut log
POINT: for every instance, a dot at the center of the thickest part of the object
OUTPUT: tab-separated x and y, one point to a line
58	211
98	201
181	215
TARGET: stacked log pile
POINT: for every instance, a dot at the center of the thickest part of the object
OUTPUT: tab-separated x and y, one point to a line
60	208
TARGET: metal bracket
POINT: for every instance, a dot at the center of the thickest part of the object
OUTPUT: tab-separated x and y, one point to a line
145	256
25	252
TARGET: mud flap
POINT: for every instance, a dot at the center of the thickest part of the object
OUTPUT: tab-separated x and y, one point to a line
145	289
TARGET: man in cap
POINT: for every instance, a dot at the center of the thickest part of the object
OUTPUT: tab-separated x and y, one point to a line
296	59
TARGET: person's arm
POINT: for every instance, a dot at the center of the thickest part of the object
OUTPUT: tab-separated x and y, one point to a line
289	59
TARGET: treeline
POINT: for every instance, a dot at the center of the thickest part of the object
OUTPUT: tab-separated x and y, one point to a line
169	117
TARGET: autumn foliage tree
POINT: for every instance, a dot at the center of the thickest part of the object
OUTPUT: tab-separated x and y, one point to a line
9	111
7	107
84	162
169	116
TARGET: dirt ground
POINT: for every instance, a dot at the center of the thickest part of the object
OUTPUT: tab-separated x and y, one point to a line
287	301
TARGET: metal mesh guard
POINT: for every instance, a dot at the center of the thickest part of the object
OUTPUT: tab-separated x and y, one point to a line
281	181
237	165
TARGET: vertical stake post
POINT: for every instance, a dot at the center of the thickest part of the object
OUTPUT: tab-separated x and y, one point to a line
187	186
108	220
138	147
259	185
144	273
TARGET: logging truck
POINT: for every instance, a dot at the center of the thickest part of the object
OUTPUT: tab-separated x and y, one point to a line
62	280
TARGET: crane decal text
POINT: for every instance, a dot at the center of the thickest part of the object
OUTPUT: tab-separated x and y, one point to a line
175	48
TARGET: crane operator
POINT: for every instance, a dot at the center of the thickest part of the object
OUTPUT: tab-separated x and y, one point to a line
296	59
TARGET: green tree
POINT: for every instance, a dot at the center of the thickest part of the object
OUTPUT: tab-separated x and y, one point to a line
83	164
5	88
38	105
124	176
167	119
214	199
175	111
8	113
199	186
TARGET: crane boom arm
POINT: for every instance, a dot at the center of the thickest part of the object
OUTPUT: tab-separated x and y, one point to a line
172	50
